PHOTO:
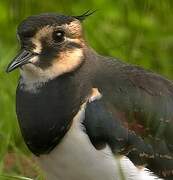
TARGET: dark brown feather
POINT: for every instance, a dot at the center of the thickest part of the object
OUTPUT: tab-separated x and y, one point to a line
141	102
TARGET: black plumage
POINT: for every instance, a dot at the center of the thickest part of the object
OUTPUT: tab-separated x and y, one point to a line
46	116
134	115
32	24
140	103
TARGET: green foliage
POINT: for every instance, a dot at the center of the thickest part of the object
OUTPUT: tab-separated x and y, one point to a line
137	31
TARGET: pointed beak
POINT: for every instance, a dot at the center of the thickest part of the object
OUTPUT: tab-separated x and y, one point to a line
22	58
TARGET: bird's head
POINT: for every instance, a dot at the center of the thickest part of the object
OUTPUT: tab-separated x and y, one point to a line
51	45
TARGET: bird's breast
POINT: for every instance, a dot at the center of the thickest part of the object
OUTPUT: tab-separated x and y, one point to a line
75	158
44	117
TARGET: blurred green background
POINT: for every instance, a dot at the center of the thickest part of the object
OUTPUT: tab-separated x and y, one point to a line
137	31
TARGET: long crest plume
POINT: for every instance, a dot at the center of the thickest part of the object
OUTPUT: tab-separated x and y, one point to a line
85	15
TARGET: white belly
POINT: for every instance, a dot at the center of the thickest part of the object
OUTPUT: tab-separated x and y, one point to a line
75	158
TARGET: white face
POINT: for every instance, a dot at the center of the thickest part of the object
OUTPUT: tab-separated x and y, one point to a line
53	51
66	62
61	56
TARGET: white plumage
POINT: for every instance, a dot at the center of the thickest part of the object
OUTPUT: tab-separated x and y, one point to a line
75	158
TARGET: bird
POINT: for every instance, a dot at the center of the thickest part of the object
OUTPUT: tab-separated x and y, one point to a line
88	116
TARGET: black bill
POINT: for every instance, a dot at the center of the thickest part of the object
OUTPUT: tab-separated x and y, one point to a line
22	58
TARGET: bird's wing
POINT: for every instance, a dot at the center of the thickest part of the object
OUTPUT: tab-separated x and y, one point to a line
135	117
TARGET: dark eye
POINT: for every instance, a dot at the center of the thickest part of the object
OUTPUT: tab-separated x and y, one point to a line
58	36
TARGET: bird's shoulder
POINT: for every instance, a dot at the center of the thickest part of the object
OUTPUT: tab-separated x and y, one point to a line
134	115
111	72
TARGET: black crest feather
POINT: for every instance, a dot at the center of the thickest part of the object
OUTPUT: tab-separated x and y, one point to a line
85	15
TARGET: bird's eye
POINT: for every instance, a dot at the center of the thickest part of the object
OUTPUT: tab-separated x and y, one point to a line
58	36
